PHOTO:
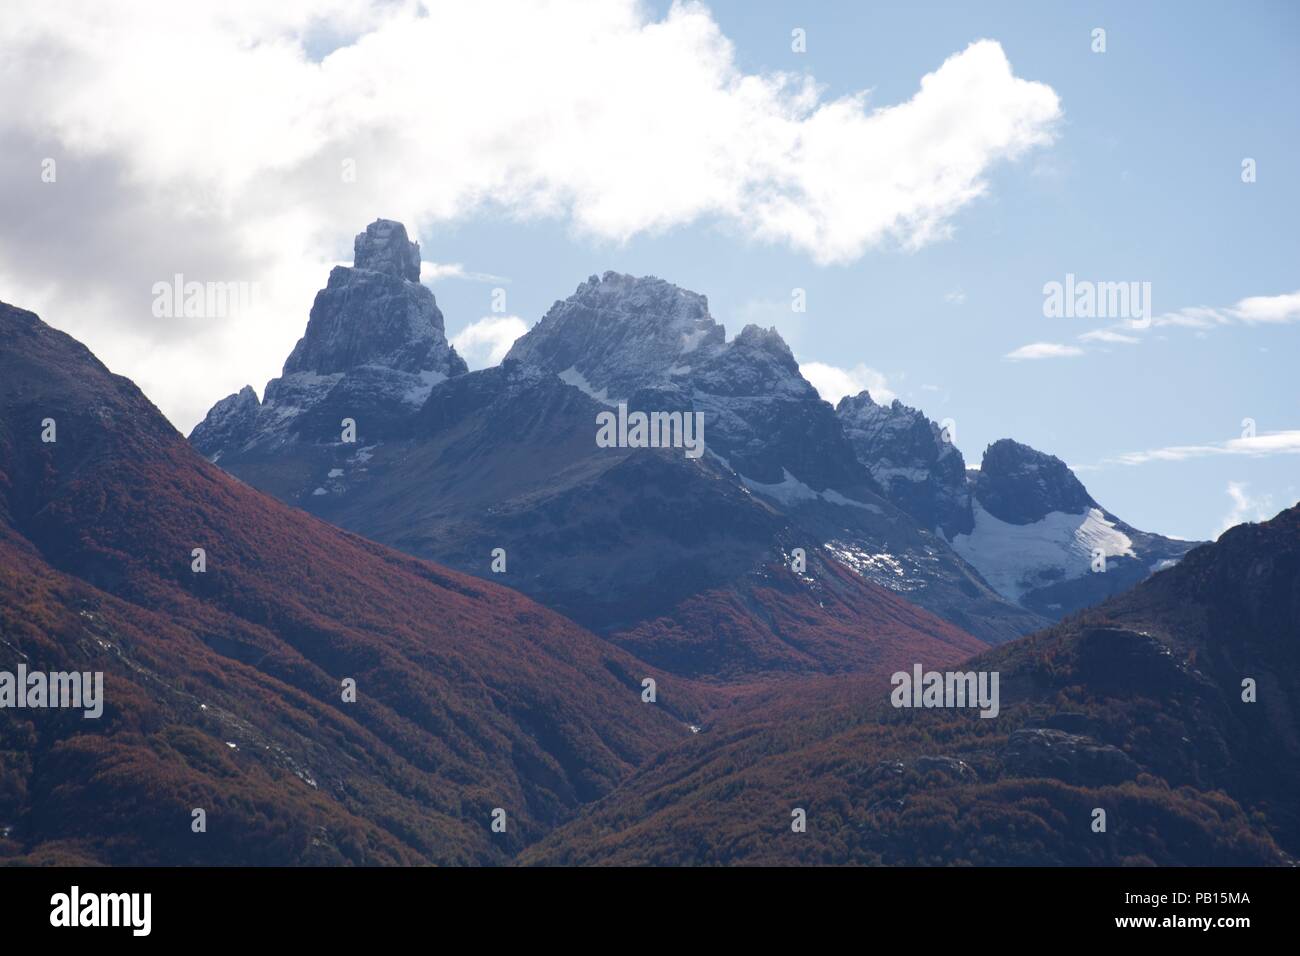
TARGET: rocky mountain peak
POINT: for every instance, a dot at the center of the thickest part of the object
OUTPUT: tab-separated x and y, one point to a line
853	406
631	296
376	313
621	333
1021	485
375	343
768	340
227	422
863	414
384	247
920	470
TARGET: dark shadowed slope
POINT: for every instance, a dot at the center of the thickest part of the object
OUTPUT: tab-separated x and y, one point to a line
1135	708
224	688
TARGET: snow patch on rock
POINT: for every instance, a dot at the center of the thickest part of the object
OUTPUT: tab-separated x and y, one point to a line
571	376
1017	558
791	491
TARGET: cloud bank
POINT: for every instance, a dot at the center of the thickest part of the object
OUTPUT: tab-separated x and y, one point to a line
242	141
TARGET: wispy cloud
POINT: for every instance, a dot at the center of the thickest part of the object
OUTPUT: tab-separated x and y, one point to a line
1257	446
1109	336
435	271
1193	317
1252	310
1043	350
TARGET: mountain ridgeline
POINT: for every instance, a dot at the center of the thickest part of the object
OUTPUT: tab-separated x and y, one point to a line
680	561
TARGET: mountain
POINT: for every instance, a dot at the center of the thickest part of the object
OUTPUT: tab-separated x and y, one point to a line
644	341
677	557
224	687
653	345
1172	708
624	331
1023	519
669	557
913	460
1040	538
375	346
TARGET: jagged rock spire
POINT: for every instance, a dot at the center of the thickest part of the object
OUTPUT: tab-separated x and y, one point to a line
384	247
375	343
376	313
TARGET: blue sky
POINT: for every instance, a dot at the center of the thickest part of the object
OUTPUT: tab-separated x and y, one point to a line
530	146
1143	183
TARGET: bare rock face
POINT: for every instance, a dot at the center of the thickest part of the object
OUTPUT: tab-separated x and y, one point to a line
384	247
232	418
919	468
1020	485
1126	659
649	341
373	318
376	313
1074	758
621	332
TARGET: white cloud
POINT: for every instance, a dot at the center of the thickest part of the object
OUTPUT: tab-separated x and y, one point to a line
436	271
955	297
485	343
833	383
1269	308
1193	317
1245	507
216	139
1257	446
1252	310
1043	350
590	110
433	271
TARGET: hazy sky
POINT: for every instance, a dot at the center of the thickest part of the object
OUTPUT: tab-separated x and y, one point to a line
920	171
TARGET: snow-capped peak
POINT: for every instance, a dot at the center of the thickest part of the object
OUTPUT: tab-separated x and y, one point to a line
622	332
